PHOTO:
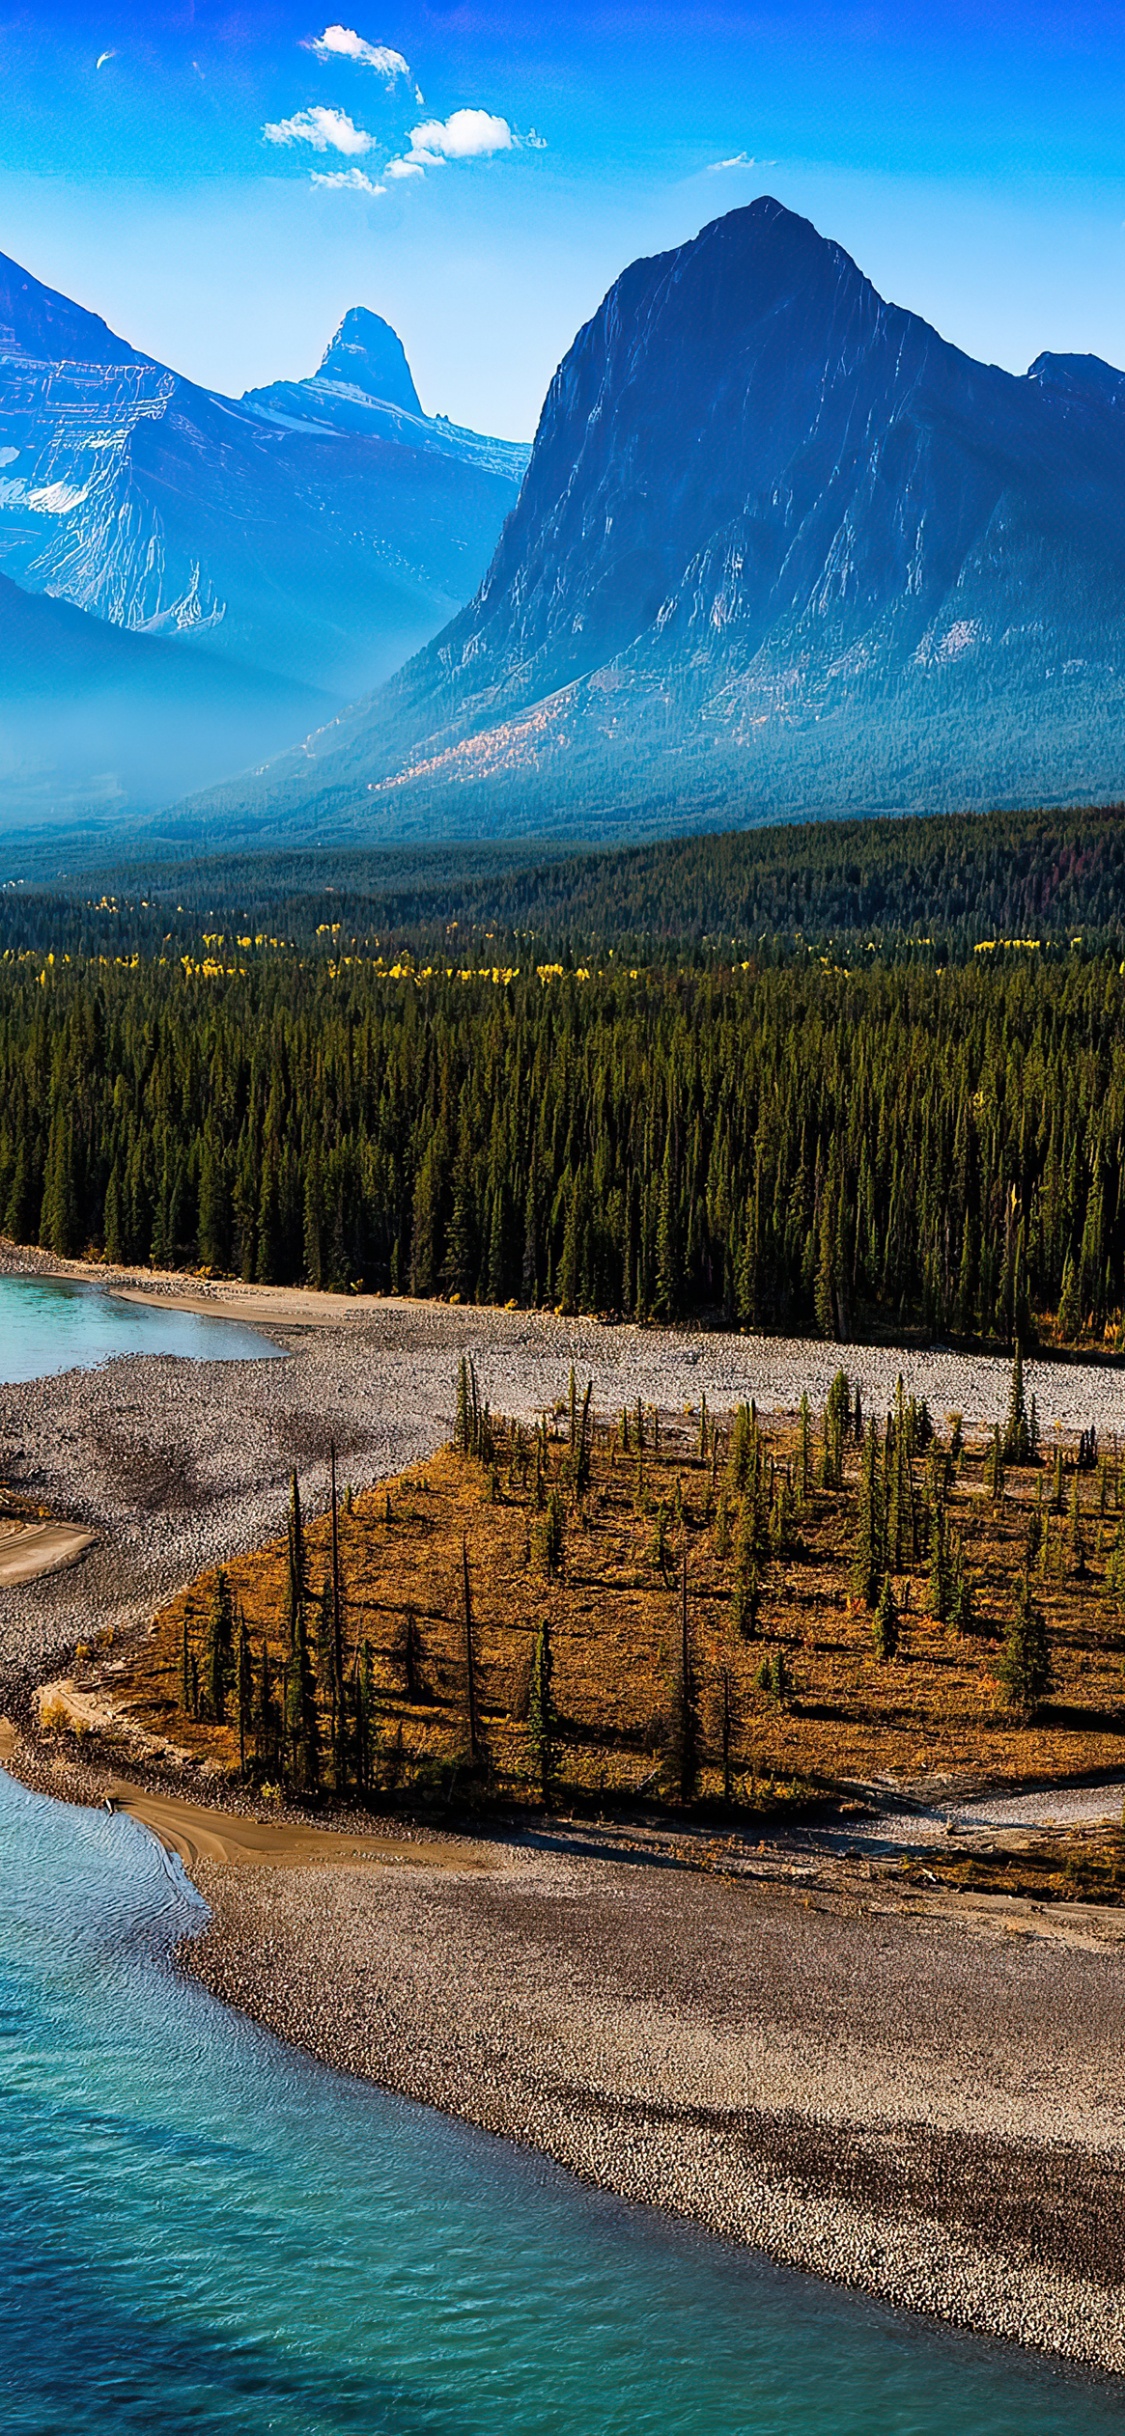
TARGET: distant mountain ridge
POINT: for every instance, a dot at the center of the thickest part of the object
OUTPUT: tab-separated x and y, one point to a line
319	552
295	561
780	548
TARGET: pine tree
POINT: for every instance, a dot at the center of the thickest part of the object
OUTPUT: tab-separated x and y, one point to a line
542	1716
726	1731
869	1556
1017	1430
941	1582
804	1450
472	1713
243	1689
218	1654
367	1717
886	1625
994	1468
302	1738
1069	1316
1024	1669
267	1711
683	1728
553	1538
186	1702
1077	1539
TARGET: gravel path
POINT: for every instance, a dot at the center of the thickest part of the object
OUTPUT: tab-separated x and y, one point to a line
176	1464
929	2108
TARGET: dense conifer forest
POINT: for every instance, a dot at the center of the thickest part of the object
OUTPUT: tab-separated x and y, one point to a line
925	890
786	1144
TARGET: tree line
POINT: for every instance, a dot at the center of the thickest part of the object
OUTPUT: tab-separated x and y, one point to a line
793	1147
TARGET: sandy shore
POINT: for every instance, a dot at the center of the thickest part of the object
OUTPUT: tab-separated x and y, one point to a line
174	1465
921	2098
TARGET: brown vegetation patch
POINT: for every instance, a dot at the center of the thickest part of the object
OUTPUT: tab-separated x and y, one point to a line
840	1712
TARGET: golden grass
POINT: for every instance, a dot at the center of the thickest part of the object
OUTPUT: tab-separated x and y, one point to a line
937	1707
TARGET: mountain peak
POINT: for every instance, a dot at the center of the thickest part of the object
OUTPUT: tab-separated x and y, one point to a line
1080	375
367	354
42	326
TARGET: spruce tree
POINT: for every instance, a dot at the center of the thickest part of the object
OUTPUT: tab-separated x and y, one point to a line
1025	1665
941	1582
1017	1429
869	1555
302	1738
886	1625
804	1450
542	1716
472	1713
218	1655
683	1727
243	1689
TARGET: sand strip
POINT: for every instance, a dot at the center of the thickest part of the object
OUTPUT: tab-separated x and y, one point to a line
199	1833
42	1547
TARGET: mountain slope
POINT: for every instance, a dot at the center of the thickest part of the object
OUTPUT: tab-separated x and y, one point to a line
95	720
779	548
321	549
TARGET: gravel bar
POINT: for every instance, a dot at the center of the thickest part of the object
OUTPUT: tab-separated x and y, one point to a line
927	2107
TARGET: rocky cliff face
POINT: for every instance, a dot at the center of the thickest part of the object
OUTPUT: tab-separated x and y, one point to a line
779	547
320	550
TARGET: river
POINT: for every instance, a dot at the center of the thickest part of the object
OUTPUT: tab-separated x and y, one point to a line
205	2231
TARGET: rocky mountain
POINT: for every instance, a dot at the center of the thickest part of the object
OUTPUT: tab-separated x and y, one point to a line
780	548
321	548
365	385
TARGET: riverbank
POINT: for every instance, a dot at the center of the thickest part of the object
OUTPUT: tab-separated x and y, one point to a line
909	2091
176	1465
917	2098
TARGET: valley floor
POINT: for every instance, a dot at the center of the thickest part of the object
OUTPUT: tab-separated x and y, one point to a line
913	2089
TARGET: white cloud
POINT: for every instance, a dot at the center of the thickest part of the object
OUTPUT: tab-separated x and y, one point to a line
339	42
353	181
467	135
740	160
534	141
325	130
404	169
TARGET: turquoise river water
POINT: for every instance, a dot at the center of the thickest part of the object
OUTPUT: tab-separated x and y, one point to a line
203	2231
49	1324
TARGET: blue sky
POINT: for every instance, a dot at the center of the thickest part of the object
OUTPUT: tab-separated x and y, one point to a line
971	158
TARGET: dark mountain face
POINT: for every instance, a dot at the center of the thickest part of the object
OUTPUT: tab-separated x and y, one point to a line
320	550
779	547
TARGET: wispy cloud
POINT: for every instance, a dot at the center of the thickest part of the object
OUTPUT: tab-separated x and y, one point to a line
467	135
339	42
346	181
325	130
105	58
739	160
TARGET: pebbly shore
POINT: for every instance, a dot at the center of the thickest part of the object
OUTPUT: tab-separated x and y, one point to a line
915	2097
175	1465
921	2102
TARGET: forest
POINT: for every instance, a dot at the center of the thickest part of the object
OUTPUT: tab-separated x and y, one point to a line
920	890
786	1144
